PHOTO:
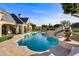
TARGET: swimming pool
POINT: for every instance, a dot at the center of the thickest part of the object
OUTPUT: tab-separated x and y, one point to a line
38	41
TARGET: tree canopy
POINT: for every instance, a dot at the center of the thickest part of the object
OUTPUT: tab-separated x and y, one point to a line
57	25
33	26
71	8
75	25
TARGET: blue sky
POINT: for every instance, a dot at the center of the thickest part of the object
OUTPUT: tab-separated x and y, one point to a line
39	13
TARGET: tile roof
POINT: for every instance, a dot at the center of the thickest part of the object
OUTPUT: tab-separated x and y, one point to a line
6	17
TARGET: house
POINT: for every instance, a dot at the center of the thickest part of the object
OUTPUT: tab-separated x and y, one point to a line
13	24
22	23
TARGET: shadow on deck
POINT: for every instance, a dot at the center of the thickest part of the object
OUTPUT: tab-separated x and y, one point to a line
54	51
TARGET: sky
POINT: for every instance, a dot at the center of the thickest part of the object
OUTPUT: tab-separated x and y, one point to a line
39	13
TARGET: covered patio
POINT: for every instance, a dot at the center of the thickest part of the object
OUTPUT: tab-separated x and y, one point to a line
6	28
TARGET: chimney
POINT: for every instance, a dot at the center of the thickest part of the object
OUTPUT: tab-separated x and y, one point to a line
19	15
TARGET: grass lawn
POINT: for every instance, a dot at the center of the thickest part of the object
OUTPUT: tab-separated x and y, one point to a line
75	33
4	38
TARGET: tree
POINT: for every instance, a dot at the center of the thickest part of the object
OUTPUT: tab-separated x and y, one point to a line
33	26
71	8
50	27
75	25
44	27
57	26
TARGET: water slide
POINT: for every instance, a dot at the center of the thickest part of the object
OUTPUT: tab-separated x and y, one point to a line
58	30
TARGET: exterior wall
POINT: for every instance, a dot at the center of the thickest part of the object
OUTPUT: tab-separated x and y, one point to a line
7	26
5	18
1	24
29	27
0	30
7	29
17	29
20	28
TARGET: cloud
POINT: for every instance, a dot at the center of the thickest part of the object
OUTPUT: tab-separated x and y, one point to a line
43	20
60	17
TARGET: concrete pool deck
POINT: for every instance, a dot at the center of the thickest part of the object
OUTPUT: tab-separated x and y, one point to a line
11	48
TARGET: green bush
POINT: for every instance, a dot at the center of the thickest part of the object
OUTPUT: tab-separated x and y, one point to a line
3	38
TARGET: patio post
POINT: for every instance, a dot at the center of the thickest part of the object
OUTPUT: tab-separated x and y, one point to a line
17	29
22	29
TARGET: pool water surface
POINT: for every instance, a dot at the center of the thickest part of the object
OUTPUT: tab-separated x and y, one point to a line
38	41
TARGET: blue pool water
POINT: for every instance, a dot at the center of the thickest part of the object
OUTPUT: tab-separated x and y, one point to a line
38	42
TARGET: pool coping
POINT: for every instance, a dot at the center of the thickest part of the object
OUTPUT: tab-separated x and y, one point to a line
33	52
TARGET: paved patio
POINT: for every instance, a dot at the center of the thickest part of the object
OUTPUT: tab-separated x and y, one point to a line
11	48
